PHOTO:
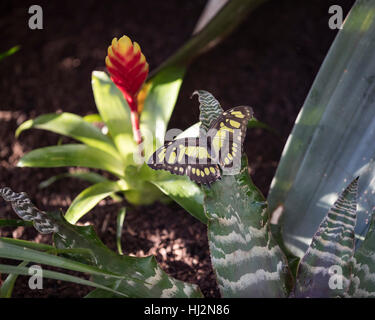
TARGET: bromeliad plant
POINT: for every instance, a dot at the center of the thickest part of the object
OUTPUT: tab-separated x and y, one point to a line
248	253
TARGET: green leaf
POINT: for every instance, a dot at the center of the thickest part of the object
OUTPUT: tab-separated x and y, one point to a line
14	223
120	222
16	252
8	285
91	196
210	109
255	123
132	276
58	276
159	104
222	24
185	192
245	257
115	112
329	144
9	52
331	251
71	125
72	155
363	279
28	244
91	177
92	118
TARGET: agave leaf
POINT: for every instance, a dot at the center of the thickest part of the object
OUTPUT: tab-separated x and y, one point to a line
131	276
246	259
329	144
74	126
115	112
66	155
329	257
209	109
363	280
91	196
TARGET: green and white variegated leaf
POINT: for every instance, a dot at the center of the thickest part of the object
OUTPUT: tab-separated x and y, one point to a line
245	257
137	277
333	136
363	279
209	107
325	270
22	205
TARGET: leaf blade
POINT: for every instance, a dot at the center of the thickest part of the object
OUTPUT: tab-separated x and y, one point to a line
67	155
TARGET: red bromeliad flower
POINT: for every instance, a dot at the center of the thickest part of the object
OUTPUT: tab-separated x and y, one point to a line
128	69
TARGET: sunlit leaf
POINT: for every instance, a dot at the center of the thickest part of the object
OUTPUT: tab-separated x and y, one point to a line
246	259
331	251
71	125
72	155
91	196
115	112
329	144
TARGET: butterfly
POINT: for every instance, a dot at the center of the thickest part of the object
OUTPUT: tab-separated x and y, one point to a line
204	158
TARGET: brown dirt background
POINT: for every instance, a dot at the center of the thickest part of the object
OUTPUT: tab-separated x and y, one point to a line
269	62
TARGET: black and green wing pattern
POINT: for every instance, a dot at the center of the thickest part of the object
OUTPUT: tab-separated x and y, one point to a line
202	158
186	157
227	135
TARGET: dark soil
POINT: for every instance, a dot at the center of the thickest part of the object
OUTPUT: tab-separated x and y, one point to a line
270	63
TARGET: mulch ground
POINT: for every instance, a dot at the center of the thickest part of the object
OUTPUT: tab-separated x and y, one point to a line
269	62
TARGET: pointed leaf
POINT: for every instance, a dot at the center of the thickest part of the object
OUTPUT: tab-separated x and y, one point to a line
330	141
8	285
132	276
161	97
331	251
71	125
115	112
246	259
58	276
68	155
91	177
91	196
363	280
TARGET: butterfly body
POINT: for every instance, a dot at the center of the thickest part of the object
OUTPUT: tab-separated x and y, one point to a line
204	158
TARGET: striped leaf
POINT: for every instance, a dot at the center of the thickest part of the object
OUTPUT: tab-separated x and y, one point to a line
245	257
325	269
22	205
132	276
332	139
209	108
363	280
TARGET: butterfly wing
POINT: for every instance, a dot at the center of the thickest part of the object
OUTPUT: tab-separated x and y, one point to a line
187	156
227	135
